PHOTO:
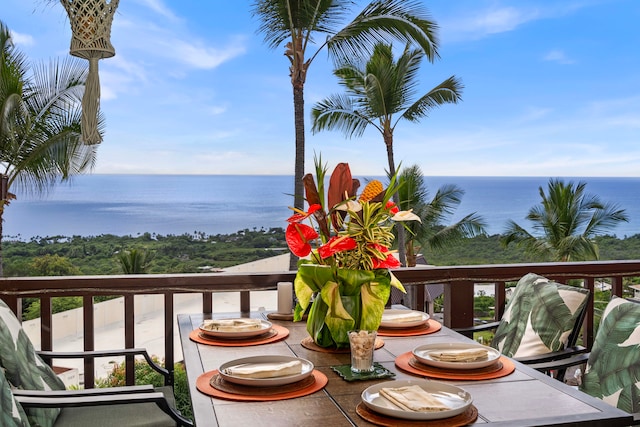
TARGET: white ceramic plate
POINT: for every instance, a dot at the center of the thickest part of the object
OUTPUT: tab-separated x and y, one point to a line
423	354
307	369
388	322
454	397
264	328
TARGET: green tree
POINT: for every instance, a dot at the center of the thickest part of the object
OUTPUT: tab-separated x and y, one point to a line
565	224
380	94
296	24
40	115
135	261
53	265
432	231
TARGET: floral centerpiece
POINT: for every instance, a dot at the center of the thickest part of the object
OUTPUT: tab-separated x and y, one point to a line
343	276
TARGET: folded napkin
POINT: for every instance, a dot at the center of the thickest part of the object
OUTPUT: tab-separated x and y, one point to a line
463	355
265	370
410	316
232	325
413	398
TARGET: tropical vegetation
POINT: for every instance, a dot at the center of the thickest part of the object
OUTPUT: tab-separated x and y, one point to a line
299	25
40	116
432	231
565	224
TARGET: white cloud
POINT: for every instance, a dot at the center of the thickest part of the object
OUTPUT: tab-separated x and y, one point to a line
199	56
160	8
22	39
558	56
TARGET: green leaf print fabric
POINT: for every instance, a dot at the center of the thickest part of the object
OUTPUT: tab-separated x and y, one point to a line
613	369
11	412
539	317
24	368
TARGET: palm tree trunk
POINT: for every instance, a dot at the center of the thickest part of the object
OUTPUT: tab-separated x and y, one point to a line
298	109
388	140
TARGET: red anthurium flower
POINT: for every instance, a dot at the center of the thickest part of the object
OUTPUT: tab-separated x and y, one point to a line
392	207
389	262
300	216
298	237
337	244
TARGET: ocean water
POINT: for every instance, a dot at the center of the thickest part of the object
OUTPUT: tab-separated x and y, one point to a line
92	205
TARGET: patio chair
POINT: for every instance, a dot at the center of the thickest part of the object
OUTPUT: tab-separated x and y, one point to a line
38	396
541	322
612	368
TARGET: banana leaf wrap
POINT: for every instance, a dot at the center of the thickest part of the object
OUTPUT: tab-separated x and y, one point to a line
341	300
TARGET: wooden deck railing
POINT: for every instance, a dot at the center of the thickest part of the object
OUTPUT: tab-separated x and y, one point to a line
458	293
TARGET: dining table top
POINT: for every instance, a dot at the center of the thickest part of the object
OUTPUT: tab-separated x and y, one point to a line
524	397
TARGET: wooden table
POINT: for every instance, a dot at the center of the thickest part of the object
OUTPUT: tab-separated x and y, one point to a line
523	398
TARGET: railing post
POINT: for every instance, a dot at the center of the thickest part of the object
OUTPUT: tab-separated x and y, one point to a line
458	304
89	327
129	338
168	336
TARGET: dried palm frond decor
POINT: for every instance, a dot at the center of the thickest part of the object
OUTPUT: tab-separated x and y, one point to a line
91	31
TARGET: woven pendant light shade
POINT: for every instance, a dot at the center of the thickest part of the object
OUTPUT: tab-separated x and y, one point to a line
91	31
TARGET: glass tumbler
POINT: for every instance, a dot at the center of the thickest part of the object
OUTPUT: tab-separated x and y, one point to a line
362	344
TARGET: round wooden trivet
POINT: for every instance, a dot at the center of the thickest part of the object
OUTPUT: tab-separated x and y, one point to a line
430	327
434	369
217	381
203	385
309	344
276	333
467	417
403	362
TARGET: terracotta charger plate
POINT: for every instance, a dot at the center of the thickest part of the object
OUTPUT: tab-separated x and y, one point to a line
408	363
316	382
276	333
430	327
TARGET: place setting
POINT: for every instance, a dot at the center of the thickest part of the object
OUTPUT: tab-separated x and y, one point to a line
400	403
238	332
406	323
455	361
262	378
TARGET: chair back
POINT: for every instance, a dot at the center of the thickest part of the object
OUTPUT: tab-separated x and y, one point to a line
613	368
23	367
542	316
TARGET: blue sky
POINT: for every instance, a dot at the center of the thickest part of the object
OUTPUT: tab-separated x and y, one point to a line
552	88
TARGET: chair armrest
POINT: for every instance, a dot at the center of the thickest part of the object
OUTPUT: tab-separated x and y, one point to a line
556	355
94	397
48	355
477	328
559	364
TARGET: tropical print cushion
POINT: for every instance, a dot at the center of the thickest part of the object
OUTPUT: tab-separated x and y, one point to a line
613	369
11	412
24	368
539	317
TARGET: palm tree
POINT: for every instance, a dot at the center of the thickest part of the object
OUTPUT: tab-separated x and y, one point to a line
40	136
135	261
566	222
433	231
296	24
379	94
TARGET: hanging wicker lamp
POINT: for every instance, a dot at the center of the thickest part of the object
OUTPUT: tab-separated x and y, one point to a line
91	30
